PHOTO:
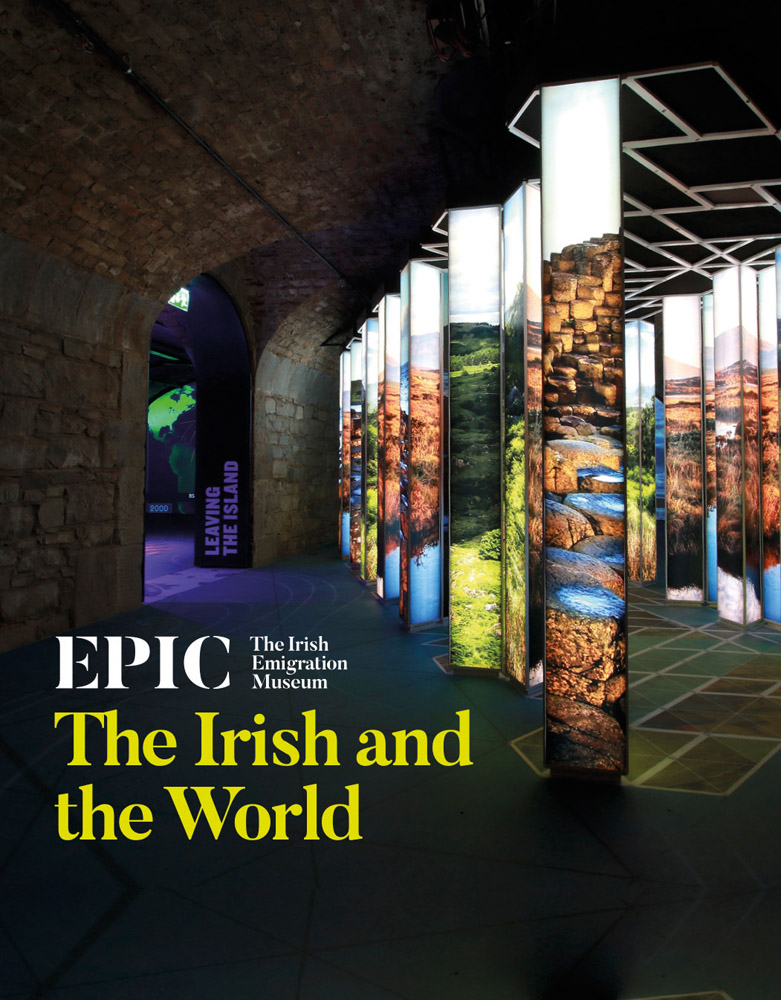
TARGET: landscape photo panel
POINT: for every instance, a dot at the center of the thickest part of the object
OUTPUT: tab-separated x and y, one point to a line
647	434
709	407
344	452
404	443
421	447
523	628
634	506
684	447
768	367
356	449
738	476
474	253
390	468
380	577
583	391
369	457
751	441
535	510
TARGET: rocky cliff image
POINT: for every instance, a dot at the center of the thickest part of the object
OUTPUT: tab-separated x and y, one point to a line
685	509
583	418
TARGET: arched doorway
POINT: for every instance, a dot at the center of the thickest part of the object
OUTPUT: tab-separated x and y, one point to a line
199	418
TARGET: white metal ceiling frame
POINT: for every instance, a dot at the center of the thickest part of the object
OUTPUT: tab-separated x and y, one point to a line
642	297
721	249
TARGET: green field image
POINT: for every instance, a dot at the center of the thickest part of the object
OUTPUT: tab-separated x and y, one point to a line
515	547
369	539
475	513
515	490
640	494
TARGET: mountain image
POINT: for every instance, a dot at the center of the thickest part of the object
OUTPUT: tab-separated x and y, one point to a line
679	371
727	348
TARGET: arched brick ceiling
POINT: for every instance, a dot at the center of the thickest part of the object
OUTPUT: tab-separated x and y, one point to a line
323	107
330	110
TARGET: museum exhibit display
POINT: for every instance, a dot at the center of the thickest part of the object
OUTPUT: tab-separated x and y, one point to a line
423	318
683	409
709	438
369	429
640	396
170	452
356	448
388	449
583	372
768	367
738	471
475	276
345	376
523	632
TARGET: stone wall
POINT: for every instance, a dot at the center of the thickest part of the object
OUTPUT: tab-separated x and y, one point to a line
73	374
296	501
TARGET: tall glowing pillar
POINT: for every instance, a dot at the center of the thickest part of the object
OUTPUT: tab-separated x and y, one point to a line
768	365
709	429
738	471
369	453
583	372
344	453
388	494
422	332
356	449
474	253
683	413
524	617
640	451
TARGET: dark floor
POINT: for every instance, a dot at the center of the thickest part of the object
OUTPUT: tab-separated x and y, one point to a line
169	555
482	881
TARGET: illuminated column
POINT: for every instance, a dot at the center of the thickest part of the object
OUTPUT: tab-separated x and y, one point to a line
647	432
356	448
388	551
583	372
634	505
474	253
640	451
768	366
344	452
683	427
709	405
524	617
738	473
369	444
422	326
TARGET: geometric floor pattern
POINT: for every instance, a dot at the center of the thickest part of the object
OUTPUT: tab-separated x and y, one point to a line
704	699
481	881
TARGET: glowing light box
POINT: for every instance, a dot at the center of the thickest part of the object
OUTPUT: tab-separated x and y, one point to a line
356	449
474	240
738	472
370	359
709	407
640	450
683	426
388	494
523	635
344	455
768	366
420	428
583	373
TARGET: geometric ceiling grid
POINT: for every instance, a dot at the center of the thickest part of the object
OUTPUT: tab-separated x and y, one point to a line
701	173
